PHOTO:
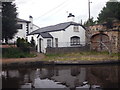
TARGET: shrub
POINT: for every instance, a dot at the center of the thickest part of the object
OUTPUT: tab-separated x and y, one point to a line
32	42
15	53
23	45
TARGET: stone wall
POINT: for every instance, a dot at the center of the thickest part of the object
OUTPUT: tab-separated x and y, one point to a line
112	41
60	50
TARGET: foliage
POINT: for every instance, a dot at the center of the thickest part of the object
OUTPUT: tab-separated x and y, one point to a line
9	21
15	53
109	13
23	45
90	22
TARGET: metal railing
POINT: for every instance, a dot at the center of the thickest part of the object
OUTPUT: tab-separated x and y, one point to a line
69	44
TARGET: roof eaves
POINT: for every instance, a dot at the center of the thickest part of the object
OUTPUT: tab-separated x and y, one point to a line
22	20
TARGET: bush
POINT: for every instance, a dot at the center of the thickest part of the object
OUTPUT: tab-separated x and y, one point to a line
15	53
32	42
23	45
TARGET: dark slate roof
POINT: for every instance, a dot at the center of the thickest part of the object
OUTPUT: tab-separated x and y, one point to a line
46	35
22	20
57	27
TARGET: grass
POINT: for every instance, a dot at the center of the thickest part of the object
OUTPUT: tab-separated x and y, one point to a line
94	56
15	53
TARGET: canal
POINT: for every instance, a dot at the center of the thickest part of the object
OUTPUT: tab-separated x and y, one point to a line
70	77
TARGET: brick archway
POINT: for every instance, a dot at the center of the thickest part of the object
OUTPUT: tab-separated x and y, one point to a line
100	42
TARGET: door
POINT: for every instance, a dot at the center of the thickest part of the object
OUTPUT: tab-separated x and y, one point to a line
40	46
56	42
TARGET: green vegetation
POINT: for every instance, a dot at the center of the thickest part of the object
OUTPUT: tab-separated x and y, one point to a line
15	53
110	12
90	22
21	51
9	21
23	45
81	56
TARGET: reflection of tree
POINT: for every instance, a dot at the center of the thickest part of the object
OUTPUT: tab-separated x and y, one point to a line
75	71
50	72
56	71
106	77
10	82
46	72
24	75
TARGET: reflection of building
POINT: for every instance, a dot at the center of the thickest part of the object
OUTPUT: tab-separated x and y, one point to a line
105	76
0	21
70	76
0	10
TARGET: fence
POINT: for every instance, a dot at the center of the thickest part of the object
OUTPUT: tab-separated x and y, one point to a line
58	50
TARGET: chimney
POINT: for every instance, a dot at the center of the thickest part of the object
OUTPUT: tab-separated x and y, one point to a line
31	24
31	19
71	17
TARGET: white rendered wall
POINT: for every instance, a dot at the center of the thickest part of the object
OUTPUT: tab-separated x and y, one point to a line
21	32
64	36
29	37
43	44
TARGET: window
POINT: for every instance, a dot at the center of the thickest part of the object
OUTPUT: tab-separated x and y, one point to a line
49	43
56	42
20	26
97	29
76	28
75	40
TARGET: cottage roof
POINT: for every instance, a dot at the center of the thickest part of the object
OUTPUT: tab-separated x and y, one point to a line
46	35
22	20
57	27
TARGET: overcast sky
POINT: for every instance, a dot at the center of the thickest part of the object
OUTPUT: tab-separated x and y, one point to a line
50	12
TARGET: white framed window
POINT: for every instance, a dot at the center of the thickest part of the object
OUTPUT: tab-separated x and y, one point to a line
20	26
75	40
49	43
76	28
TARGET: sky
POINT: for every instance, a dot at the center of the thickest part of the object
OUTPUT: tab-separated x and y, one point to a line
51	12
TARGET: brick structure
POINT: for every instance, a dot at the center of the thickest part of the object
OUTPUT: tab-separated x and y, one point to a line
102	39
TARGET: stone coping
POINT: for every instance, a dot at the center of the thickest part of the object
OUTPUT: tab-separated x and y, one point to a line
41	63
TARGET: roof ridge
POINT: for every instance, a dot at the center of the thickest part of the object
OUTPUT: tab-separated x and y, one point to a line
56	27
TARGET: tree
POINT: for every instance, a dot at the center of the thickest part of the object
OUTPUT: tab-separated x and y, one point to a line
9	21
110	12
90	22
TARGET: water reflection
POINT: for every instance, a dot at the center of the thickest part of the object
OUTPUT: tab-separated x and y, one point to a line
68	77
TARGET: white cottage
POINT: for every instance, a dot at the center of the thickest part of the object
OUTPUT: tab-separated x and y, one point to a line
24	28
67	34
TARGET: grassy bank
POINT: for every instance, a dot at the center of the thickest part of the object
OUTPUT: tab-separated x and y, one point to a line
15	53
96	56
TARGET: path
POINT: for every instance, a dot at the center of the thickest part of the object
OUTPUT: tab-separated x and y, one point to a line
13	60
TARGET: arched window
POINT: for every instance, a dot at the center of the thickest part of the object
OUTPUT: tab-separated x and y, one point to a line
75	40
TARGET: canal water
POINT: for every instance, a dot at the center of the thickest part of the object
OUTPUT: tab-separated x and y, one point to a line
70	77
